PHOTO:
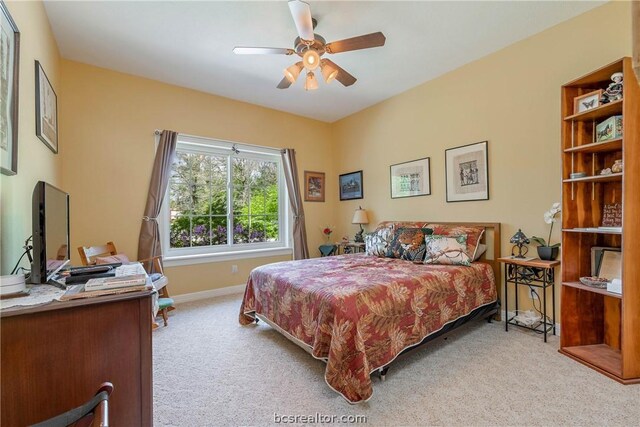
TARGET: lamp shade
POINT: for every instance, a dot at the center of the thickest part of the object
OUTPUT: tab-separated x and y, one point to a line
360	217
311	60
292	72
520	238
328	72
311	83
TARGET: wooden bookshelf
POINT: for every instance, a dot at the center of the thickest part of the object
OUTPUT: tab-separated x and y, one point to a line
601	329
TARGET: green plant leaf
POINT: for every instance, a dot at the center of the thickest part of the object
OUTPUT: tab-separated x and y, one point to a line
557	245
539	240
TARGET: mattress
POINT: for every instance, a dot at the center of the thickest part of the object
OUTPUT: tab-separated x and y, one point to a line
358	312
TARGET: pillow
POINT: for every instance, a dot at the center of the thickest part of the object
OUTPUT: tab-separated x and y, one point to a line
474	234
446	250
482	248
113	259
377	243
408	244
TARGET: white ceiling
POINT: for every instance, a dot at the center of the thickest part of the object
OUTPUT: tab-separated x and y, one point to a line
190	43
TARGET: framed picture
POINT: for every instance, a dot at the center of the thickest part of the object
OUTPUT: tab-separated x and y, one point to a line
410	179
351	186
313	186
467	172
46	110
587	101
9	73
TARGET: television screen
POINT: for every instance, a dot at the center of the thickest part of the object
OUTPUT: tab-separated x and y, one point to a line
50	231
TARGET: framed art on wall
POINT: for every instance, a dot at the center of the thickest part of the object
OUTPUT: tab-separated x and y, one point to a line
9	73
351	186
467	172
46	110
313	186
410	179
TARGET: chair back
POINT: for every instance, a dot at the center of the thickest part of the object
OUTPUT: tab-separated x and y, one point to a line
88	254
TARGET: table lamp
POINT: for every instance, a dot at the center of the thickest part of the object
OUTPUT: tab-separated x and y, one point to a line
360	217
519	239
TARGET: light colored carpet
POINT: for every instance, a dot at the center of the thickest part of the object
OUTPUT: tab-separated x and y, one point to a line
209	370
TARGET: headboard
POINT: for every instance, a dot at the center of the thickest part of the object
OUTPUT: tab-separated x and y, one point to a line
491	238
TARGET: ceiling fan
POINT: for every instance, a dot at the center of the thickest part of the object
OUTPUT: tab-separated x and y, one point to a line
311	47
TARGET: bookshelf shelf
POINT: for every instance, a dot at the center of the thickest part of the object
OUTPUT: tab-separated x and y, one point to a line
597	113
597	147
596	178
579	285
590	230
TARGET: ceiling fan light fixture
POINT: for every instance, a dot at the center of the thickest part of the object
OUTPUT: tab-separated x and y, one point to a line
311	83
328	72
292	72
311	60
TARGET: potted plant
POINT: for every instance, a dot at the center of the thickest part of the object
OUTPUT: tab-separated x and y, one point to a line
546	250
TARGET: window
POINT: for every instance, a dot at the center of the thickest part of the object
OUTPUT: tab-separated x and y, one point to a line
223	198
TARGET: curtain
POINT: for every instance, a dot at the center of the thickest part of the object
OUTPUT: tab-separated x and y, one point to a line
149	240
300	249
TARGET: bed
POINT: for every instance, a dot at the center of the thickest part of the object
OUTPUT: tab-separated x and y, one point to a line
359	312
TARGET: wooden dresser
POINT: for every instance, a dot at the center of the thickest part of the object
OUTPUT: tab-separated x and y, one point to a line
54	357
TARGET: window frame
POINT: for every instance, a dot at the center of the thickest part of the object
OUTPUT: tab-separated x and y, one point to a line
229	251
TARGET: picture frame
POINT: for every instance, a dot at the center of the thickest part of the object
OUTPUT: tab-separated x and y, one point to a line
9	76
467	172
587	101
46	110
410	179
351	186
314	185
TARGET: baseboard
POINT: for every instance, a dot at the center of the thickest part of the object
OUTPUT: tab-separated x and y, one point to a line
211	293
511	314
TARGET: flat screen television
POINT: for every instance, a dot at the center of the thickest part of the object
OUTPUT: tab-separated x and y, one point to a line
50	232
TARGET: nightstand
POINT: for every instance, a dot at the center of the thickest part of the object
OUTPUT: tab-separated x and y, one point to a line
350	248
533	273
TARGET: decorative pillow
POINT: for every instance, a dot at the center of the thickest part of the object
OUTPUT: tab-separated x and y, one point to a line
474	234
446	250
482	248
122	258
377	243
408	244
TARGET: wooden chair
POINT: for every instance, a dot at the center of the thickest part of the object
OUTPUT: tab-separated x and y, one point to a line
95	412
89	254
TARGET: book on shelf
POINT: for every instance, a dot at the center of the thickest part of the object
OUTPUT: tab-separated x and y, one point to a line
101	283
78	291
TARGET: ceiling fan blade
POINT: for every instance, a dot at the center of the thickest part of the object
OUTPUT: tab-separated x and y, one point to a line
262	51
301	13
284	83
356	43
343	77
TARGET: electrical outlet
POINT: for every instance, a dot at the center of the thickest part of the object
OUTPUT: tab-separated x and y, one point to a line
533	294
234	268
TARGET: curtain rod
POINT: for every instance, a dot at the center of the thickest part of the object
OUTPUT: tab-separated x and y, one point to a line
158	132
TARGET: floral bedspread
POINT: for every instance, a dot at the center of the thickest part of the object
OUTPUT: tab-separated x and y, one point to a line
359	312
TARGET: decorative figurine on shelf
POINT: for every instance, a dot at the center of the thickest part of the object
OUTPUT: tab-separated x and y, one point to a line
606	171
617	166
519	240
614	91
546	250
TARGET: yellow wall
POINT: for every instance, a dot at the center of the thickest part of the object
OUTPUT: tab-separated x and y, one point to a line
35	160
510	98
108	119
